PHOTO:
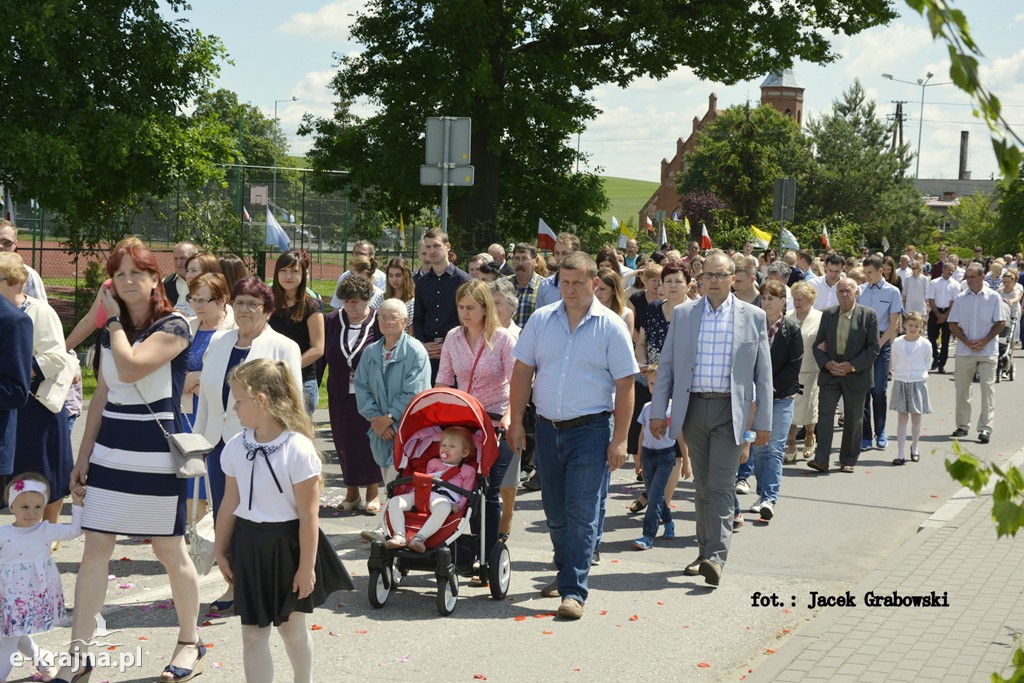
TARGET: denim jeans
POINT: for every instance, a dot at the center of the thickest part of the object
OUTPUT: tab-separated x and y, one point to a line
746	469
573	466
658	464
875	404
311	395
767	459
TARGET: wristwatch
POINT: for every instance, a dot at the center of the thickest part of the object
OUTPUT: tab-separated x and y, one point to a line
390	416
113	319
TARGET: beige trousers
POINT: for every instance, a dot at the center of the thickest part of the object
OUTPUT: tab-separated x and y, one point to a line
965	369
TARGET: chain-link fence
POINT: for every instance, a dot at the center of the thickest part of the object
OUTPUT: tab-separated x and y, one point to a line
230	218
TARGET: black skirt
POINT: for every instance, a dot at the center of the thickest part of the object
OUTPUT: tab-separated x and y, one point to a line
265	557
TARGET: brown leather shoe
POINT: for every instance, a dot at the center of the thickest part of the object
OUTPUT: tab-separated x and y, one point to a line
550	590
711	571
693	569
571	608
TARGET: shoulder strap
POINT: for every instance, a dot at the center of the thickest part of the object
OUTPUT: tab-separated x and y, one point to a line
472	370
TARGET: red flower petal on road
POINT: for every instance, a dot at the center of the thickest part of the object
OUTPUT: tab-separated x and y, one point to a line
660	602
316	627
362	631
207	623
143	637
126	559
634	617
603	612
520	617
769	651
547	633
704	665
479	677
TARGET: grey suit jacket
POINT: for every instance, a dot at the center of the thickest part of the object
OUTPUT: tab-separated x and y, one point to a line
861	347
751	368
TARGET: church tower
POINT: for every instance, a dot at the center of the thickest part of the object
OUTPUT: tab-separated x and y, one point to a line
785	94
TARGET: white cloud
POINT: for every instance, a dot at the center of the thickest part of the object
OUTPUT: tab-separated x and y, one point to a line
883	49
1018	18
331	22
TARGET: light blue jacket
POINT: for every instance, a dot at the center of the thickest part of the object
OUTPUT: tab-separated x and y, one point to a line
381	390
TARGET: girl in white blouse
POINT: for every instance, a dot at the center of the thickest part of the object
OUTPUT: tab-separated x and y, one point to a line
911	359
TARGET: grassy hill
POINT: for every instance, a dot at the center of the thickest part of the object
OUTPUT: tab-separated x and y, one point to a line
626	197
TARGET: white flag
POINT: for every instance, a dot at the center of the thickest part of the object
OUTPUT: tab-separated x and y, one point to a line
275	233
788	240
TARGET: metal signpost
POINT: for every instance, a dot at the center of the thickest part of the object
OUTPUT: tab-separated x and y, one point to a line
784	201
447	159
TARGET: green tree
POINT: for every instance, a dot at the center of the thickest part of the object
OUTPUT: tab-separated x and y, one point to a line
262	143
92	118
739	156
1010	220
858	178
524	72
974	220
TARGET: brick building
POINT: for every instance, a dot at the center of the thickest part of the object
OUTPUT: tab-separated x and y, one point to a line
781	91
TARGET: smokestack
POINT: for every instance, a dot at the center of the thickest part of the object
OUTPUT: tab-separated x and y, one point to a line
963	173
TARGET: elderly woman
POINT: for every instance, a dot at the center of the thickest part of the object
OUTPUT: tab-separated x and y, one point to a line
124	458
43	443
787	352
216	418
805	407
505	304
478	355
392	370
994	279
349	332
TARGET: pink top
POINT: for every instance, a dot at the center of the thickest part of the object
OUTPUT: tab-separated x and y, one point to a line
491	378
465	479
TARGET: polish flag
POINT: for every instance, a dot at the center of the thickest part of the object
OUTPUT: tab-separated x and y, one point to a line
545	236
825	244
705	238
650	225
245	215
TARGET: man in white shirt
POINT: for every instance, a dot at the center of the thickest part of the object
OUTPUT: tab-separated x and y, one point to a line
975	320
380	279
175	284
549	292
904	270
958	270
941	292
826	284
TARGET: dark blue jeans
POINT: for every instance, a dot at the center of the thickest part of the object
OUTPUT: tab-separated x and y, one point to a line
875	404
658	464
573	466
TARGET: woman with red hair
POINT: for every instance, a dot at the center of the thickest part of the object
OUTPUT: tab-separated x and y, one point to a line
124	458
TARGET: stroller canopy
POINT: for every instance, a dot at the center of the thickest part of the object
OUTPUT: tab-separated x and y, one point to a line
447	408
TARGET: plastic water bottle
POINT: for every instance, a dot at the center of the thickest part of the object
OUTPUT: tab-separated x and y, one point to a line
750	436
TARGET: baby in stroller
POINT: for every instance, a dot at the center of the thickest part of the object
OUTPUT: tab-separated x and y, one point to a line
456	445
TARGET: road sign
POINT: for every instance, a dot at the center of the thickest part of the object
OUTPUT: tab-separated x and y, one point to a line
785	199
458	176
459	134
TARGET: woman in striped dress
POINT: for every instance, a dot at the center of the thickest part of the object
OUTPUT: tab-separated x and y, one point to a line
124	458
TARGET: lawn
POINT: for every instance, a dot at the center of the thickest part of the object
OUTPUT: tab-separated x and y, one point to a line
625	198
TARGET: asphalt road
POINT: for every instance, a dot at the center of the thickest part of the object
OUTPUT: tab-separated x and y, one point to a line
644	620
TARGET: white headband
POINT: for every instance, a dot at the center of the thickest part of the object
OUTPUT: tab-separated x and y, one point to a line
25	486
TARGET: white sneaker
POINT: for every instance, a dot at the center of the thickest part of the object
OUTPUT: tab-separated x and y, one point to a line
756	507
742	487
767	510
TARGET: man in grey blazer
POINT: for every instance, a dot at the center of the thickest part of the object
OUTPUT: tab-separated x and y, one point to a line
715	364
845	349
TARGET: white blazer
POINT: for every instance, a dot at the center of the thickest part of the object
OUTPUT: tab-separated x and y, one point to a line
212	420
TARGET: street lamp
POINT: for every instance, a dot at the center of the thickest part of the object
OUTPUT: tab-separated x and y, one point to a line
293	98
923	82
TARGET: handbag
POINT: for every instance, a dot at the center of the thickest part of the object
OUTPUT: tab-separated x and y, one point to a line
52	392
200	532
188	450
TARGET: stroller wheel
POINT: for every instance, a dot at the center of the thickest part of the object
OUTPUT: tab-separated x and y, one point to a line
381	586
500	570
447	594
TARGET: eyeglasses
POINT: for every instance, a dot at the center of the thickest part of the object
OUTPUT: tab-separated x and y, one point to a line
197	300
247	305
6	243
390	318
715	276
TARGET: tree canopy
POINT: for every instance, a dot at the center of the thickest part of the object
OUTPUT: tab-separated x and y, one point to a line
740	154
262	141
92	118
524	72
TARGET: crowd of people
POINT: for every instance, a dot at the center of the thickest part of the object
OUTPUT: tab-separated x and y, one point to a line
718	366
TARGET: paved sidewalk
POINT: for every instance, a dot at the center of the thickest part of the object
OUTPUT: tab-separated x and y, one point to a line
955	552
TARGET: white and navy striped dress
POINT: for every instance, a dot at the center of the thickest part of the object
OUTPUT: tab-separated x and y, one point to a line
133	488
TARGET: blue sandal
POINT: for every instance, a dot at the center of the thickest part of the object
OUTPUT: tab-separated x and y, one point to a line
178	674
222	605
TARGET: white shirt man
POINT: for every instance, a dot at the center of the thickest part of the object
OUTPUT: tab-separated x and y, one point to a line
904	270
826	284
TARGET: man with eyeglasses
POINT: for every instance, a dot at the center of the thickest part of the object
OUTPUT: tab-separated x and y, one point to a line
9	242
715	365
175	284
975	320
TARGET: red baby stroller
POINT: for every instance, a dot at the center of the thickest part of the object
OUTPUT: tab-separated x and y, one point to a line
455	548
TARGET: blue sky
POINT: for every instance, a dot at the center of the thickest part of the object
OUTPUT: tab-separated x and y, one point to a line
285	49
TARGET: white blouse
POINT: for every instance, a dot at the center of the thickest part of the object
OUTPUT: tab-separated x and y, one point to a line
911	360
270	496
